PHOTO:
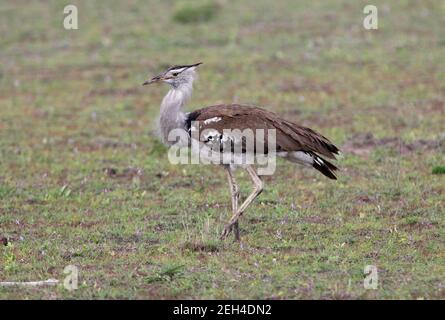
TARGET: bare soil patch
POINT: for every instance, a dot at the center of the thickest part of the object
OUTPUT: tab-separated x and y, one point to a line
363	143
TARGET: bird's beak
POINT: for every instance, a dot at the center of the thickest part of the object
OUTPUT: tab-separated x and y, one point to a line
148	82
155	79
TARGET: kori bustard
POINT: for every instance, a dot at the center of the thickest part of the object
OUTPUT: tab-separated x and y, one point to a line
292	142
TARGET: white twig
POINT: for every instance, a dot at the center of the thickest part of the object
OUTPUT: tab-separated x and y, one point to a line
49	282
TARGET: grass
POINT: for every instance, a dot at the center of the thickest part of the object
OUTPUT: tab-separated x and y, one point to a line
84	181
439	170
187	13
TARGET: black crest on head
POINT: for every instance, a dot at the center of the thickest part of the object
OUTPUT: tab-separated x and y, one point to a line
184	66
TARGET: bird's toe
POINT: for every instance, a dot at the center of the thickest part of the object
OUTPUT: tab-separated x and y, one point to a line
226	232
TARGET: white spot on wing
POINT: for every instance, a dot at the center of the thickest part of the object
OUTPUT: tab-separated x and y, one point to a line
214	119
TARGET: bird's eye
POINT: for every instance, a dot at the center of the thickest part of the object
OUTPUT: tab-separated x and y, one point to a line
175	74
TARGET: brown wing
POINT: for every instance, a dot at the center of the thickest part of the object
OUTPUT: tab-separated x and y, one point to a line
289	136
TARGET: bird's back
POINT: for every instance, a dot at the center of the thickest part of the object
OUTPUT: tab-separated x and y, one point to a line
289	135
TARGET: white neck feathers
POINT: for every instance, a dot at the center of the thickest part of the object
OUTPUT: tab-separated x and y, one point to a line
171	116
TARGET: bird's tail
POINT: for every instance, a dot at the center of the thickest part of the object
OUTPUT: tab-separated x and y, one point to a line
309	158
324	166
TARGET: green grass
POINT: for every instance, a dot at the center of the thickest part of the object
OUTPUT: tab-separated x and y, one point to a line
439	170
192	13
84	181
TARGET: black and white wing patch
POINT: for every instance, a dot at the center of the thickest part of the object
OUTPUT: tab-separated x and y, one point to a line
217	134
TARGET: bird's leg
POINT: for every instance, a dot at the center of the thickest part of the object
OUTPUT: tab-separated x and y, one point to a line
258	187
234	191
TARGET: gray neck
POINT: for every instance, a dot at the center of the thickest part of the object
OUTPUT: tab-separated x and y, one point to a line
171	116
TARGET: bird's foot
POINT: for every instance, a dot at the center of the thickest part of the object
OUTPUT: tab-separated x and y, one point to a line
226	231
231	226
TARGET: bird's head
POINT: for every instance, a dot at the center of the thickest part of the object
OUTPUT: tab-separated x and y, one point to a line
176	75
